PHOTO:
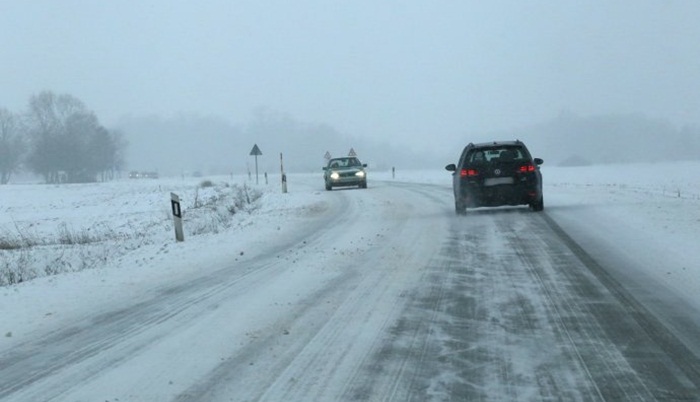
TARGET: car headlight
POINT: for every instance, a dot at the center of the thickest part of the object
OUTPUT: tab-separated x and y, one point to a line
335	175
360	174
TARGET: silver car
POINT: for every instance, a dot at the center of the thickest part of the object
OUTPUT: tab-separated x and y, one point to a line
346	171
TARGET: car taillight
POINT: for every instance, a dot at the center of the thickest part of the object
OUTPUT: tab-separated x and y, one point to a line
468	173
527	168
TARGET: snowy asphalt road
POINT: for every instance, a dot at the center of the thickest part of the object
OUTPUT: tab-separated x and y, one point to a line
384	294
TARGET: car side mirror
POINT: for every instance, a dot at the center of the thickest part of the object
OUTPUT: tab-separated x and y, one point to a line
451	167
538	161
364	165
324	168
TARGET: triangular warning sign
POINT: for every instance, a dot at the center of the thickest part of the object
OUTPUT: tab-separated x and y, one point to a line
352	152
255	151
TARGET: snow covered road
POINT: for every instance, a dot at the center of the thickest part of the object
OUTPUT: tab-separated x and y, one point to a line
375	295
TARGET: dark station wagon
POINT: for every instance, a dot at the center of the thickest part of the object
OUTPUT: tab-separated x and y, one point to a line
495	174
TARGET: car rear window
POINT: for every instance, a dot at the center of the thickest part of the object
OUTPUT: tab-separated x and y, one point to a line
495	154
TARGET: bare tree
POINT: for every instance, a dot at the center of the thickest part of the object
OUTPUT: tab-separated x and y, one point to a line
44	129
68	142
120	144
106	152
76	159
12	145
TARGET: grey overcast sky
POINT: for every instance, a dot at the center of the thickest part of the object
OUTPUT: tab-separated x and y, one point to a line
394	70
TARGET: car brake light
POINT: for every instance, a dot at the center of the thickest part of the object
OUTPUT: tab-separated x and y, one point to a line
527	168
468	173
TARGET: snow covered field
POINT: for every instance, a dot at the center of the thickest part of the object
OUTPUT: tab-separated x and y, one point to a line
648	216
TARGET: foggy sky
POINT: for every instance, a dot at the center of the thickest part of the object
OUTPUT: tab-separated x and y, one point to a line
422	73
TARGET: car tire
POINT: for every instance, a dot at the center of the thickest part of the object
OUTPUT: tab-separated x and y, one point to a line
363	184
460	209
329	186
538	206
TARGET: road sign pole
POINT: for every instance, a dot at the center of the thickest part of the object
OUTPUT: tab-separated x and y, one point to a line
256	169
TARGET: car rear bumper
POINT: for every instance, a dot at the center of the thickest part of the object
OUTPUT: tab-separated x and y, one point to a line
476	196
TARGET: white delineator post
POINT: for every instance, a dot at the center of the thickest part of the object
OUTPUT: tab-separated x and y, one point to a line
284	176
177	217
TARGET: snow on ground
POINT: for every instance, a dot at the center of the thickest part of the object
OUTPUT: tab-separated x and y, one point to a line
648	213
139	251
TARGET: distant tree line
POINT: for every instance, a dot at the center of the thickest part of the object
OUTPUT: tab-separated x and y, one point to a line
59	138
571	139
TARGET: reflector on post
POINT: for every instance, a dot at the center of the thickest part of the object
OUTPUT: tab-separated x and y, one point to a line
177	217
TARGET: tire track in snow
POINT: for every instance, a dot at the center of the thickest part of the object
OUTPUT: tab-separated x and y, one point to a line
668	369
580	334
323	362
511	312
77	354
47	368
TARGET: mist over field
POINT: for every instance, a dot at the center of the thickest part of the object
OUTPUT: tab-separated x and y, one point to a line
210	145
193	86
190	143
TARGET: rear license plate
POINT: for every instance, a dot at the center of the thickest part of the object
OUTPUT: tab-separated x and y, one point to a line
495	181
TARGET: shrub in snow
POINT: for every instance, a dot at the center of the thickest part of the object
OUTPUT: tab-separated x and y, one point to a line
213	209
